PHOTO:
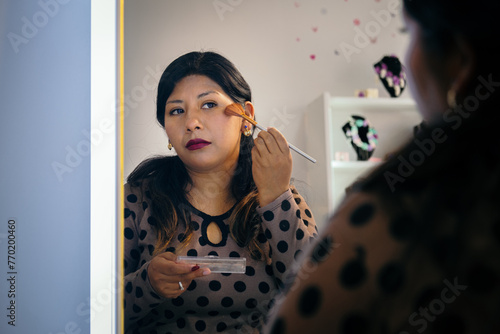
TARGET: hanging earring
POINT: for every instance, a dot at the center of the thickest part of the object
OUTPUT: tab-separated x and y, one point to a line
247	132
169	145
452	98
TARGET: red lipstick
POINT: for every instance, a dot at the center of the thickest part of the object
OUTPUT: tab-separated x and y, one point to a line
196	144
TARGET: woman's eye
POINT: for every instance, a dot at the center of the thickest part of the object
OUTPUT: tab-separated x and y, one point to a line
209	105
176	111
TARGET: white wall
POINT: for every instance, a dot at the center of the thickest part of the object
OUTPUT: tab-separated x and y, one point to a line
271	43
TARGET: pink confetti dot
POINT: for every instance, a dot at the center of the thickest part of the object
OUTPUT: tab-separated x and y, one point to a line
312	57
357	22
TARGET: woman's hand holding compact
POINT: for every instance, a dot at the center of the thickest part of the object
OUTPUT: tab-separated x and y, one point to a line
169	278
272	165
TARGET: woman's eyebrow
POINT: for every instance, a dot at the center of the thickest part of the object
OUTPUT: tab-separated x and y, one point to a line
206	93
174	101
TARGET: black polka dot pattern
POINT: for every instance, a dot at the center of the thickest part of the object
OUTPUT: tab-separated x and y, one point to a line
284	225
221	327
202	301
178	301
391	277
169	314
250	271
134	254
235	314
251	303
354	272
261	238
195	226
280	266
132	198
214	285
129	234
200	326
181	323
310	301
240	286
268	216
282	246
264	287
285	205
227	302
362	214
322	249
192	286
223	302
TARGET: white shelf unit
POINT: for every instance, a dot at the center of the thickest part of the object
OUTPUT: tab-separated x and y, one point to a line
392	118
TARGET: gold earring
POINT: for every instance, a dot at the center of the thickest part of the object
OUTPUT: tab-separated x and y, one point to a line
248	131
452	98
169	145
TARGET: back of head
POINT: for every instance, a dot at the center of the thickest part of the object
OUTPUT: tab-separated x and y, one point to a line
476	21
210	64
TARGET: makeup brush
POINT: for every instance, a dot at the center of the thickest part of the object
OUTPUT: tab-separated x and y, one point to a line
236	109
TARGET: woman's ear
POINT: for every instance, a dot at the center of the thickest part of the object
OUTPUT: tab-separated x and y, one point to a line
462	66
249	109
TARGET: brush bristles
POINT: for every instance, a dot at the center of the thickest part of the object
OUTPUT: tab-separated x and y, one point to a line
236	109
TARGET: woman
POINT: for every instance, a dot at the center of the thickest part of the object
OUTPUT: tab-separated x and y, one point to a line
223	194
415	248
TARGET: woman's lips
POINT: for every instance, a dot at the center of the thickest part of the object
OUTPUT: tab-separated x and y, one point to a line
196	144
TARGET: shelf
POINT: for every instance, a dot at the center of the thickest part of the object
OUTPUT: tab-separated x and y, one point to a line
394	120
372	103
354	164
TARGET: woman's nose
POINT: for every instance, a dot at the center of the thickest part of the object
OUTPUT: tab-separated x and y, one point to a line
193	121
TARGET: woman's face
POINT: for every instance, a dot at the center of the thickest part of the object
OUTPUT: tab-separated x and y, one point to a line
204	137
422	81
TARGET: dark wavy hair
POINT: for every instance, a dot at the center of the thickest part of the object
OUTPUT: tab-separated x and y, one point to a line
165	178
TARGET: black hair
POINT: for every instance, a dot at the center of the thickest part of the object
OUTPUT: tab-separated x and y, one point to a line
474	20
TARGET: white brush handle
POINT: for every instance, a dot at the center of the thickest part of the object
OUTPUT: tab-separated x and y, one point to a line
302	153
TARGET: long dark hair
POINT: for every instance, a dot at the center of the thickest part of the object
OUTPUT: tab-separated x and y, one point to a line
166	178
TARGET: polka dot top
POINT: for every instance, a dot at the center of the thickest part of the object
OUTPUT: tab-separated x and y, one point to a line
363	275
413	248
229	303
